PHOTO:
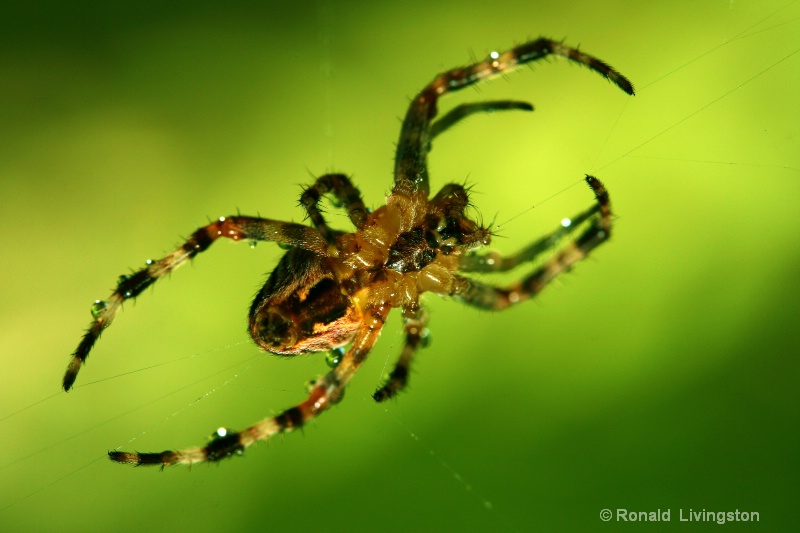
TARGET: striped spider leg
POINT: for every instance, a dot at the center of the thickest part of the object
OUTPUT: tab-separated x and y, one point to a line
333	290
597	223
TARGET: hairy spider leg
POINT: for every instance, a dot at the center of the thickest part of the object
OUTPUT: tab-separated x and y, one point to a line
345	193
485	296
451	201
462	111
494	261
411	169
414	319
326	392
130	286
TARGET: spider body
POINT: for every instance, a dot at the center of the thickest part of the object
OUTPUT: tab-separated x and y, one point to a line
334	289
301	308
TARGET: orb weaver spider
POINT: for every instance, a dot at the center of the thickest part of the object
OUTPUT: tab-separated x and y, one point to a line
334	289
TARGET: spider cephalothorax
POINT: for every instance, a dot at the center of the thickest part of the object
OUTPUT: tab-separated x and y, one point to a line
333	289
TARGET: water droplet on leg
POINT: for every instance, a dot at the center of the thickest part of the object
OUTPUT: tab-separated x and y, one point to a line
334	357
97	308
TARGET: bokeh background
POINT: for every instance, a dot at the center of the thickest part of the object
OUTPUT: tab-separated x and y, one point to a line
661	374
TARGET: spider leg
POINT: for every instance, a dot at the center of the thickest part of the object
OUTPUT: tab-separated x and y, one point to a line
345	193
464	110
411	169
325	393
495	262
485	296
415	320
129	286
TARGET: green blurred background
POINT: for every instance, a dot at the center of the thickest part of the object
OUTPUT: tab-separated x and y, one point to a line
661	374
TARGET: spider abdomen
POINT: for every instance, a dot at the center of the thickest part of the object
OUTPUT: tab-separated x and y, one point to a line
301	308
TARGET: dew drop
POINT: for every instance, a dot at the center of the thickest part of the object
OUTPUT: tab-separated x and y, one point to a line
253	244
425	338
309	385
149	262
336	396
122	279
97	308
334	357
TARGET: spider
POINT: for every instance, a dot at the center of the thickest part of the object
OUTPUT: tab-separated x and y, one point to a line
333	289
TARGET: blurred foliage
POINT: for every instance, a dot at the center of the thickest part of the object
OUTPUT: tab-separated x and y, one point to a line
661	374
